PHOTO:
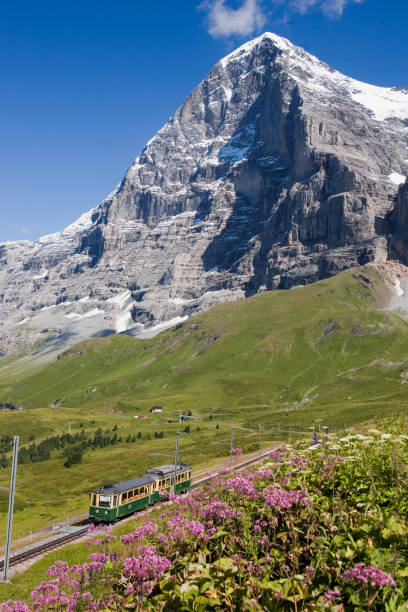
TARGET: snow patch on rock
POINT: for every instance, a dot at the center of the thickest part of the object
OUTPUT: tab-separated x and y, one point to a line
396	178
398	289
149	332
43	275
91	313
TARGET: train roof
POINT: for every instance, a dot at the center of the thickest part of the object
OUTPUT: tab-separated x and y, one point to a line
167	470
150	476
119	487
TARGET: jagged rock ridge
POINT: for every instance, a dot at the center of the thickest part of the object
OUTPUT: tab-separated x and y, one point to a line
276	171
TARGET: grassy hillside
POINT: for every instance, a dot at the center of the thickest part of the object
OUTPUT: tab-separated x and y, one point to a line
287	359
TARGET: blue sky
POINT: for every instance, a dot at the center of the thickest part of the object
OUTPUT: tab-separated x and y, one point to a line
86	84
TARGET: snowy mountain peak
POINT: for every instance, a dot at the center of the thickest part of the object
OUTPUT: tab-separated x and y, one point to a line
317	76
281	43
276	171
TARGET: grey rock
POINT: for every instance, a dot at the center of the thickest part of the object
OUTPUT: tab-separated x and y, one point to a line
399	222
276	171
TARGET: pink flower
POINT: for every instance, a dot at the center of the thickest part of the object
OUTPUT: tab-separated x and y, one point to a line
298	461
14	606
218	511
367	574
279	498
145	569
277	455
140	533
241	486
101	557
330	596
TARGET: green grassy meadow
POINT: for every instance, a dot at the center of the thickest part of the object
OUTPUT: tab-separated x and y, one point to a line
290	360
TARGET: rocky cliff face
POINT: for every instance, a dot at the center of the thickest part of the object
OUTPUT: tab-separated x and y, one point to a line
276	171
399	223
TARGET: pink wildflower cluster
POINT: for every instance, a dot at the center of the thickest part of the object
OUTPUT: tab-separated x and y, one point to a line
330	596
98	557
140	533
242	486
217	512
236	452
369	575
260	474
259	525
298	461
101	535
144	570
182	528
14	606
277	455
331	462
54	593
276	497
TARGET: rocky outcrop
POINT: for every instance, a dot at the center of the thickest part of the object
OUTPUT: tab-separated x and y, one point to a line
399	222
276	171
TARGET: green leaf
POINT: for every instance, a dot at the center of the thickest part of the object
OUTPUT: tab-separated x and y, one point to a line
226	564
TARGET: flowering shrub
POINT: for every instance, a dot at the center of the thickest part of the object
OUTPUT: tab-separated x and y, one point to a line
322	527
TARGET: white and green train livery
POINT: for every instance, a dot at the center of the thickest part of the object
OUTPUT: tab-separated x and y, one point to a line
117	499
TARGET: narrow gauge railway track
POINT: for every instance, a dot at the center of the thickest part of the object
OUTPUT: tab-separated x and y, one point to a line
43	548
71	537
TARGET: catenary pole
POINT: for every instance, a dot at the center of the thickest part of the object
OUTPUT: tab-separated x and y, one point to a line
176	462
260	441
232	446
11	508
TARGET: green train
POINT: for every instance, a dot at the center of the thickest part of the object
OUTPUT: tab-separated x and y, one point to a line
118	499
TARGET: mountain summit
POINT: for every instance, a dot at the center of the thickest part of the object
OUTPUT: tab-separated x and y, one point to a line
276	171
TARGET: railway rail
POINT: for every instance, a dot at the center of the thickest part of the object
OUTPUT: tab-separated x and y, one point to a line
45	547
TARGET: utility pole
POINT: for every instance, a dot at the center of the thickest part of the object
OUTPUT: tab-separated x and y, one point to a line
69	427
11	508
232	445
176	462
260	441
183	417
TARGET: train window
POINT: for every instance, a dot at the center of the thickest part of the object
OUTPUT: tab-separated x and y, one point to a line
105	501
115	500
124	497
93	501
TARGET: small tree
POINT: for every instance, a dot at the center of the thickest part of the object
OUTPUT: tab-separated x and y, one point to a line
74	456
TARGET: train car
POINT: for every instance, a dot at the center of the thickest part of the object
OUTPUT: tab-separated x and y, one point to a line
115	500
